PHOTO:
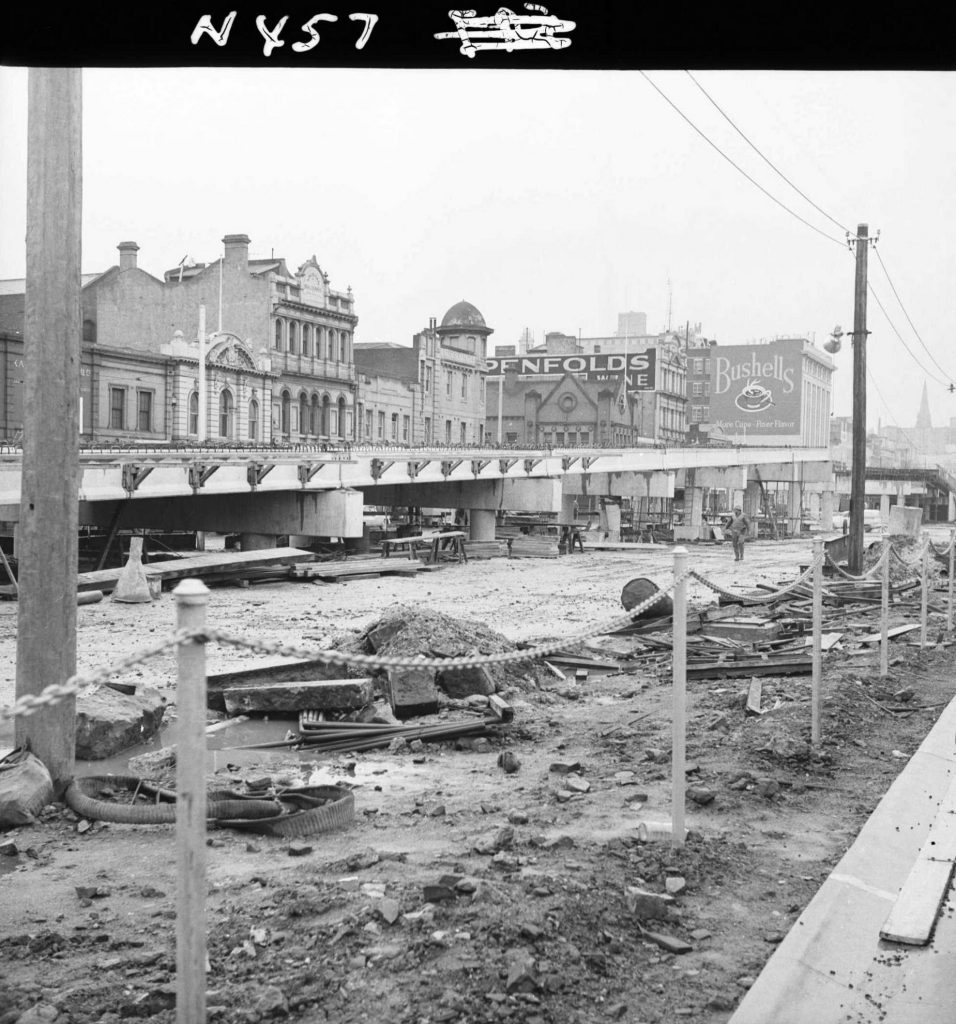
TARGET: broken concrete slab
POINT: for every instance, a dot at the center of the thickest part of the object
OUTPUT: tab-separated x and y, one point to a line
25	789
307	694
412	692
108	721
276	670
459	683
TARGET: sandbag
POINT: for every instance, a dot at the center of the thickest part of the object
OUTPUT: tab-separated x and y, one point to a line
25	788
133	587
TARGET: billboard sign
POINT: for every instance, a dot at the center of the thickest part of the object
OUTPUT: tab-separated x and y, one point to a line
756	389
594	366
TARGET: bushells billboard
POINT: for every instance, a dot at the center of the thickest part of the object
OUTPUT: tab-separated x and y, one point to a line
597	366
756	389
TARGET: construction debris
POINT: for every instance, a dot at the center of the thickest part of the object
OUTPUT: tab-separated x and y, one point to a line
314	694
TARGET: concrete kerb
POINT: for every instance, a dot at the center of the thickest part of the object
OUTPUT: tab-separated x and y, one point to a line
832	965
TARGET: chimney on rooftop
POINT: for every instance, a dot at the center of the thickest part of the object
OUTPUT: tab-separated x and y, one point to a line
127	251
236	251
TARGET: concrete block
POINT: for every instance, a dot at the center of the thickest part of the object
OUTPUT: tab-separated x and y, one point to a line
465	682
412	691
645	905
306	695
108	721
905	522
277	670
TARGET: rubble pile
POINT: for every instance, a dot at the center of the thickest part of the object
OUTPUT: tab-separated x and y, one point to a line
407	630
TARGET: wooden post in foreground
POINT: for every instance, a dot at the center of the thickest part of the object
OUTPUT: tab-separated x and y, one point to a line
949	602
191	598
924	594
885	611
678	747
817	663
47	542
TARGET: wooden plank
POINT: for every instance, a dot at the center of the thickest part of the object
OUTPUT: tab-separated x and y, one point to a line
913	917
754	695
208	564
874	638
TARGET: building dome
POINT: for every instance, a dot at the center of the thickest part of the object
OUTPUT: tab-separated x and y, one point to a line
463	314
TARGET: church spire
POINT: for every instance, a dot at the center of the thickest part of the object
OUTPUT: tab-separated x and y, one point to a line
923	419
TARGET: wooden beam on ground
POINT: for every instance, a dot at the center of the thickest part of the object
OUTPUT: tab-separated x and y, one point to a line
913	917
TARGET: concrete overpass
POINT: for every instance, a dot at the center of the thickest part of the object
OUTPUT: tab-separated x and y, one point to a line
264	493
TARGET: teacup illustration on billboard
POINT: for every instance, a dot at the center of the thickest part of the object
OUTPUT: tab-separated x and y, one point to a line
754	397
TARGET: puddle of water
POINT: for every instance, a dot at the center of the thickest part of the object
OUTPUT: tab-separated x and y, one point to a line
218	756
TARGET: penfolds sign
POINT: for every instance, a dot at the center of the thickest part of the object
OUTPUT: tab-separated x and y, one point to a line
640	366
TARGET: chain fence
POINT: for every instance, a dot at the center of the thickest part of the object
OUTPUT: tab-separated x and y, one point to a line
53	694
872	571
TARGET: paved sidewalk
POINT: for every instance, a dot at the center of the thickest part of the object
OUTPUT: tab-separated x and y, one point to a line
832	966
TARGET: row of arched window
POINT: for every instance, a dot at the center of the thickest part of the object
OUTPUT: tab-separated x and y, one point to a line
317	417
311	340
226	416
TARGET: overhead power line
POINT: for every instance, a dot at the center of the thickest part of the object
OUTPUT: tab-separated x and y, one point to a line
737	166
765	159
929	373
909	320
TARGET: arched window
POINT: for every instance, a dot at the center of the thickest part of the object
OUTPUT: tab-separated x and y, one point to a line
226	410
193	426
278	338
293	337
331	344
306	340
315	416
326	415
341	418
284	423
253	420
89	330
303	413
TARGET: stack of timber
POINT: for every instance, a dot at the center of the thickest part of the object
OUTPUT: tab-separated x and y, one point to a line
487	549
211	567
356	568
534	546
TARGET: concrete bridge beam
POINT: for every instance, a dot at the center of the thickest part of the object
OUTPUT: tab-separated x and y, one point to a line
306	513
536	494
623	484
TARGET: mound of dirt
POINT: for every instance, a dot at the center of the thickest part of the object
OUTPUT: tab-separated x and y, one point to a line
407	630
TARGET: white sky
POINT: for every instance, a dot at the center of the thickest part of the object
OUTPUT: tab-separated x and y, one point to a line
549	199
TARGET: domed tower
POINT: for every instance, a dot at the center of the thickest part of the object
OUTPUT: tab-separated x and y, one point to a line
463	327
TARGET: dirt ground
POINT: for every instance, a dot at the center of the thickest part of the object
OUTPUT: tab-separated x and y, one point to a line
537	927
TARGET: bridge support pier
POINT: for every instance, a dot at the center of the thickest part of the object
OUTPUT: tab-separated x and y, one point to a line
692	527
482	523
885	509
827	502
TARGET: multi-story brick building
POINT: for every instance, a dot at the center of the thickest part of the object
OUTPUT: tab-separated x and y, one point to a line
278	352
572	390
432	392
769	392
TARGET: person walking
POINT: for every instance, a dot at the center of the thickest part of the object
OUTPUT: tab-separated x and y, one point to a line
739	528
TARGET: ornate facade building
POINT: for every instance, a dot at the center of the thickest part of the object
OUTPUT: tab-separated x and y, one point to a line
277	347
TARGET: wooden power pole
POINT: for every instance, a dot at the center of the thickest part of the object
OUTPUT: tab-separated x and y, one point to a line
47	530
858	470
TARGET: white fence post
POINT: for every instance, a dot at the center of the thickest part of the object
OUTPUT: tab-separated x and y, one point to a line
679	714
817	641
191	599
885	611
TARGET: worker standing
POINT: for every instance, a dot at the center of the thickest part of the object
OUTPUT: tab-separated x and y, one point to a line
739	528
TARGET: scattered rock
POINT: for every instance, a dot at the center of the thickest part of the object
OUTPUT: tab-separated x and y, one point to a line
298	849
389	910
720	1001
576	784
518	818
25	788
675	884
492	842
767	788
645	905
508	762
41	1013
522	976
700	795
365	859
